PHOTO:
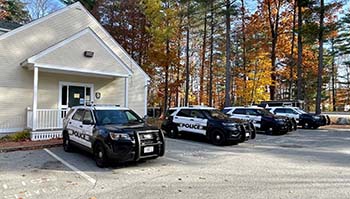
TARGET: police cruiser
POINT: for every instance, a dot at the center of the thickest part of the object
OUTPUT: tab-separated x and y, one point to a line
111	133
262	119
304	119
207	121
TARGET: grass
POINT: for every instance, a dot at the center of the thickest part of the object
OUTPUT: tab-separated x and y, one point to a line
16	137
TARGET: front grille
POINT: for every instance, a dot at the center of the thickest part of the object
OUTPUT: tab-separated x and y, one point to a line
150	140
149	137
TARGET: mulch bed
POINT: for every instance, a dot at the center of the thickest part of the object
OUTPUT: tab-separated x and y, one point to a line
7	146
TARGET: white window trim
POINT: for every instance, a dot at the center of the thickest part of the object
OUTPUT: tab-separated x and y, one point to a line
64	83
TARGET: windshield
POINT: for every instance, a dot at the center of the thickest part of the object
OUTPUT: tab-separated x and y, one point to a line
216	114
264	112
119	117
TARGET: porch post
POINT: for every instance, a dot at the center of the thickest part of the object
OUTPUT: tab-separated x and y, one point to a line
35	96
126	92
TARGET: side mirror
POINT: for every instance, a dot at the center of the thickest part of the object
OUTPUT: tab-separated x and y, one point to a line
88	122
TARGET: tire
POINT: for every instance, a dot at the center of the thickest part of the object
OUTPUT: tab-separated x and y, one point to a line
100	155
253	132
306	125
67	146
218	138
172	132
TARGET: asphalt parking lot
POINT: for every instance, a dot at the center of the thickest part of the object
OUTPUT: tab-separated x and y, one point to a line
302	164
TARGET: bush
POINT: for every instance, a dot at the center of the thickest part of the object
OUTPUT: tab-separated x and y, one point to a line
16	137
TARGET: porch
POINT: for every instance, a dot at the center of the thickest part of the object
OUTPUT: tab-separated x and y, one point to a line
47	125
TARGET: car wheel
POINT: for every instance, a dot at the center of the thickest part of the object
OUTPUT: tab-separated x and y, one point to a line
67	146
218	138
306	125
100	155
172	133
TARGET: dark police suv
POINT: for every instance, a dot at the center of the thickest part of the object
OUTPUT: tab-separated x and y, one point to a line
262	119
304	119
111	133
207	121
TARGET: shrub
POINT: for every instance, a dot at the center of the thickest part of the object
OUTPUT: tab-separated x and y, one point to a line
16	137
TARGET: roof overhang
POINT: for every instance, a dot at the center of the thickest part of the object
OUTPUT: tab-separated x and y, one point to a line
70	70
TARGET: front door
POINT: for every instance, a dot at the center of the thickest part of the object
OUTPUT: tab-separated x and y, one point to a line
76	96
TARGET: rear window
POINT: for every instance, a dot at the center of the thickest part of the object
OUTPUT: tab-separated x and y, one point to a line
226	110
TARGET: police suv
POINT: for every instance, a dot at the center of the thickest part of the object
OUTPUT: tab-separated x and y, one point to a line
304	119
262	119
207	121
111	133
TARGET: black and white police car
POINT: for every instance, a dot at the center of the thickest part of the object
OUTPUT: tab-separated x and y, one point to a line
304	119
111	133
207	121
262	119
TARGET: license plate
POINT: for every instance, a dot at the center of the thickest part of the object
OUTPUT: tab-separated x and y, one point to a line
148	149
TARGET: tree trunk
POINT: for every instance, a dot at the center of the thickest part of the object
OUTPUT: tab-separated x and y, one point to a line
300	54
203	58
228	56
320	60
274	23
211	53
166	71
244	57
187	55
292	62
333	77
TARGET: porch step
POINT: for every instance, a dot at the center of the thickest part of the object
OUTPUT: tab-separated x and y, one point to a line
45	135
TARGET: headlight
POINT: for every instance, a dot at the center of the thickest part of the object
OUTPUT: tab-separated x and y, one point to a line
231	126
316	117
119	136
279	120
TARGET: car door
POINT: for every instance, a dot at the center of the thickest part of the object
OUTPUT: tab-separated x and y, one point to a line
200	122
87	128
75	126
254	117
184	121
280	111
240	113
292	113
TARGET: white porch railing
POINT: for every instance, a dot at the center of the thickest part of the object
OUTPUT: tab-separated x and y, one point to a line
46	119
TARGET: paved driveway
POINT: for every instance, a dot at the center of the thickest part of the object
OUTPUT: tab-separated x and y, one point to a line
303	164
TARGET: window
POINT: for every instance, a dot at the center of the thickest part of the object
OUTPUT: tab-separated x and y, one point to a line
184	113
280	110
226	110
78	115
118	117
88	116
131	117
197	114
290	111
239	111
87	95
64	95
251	112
